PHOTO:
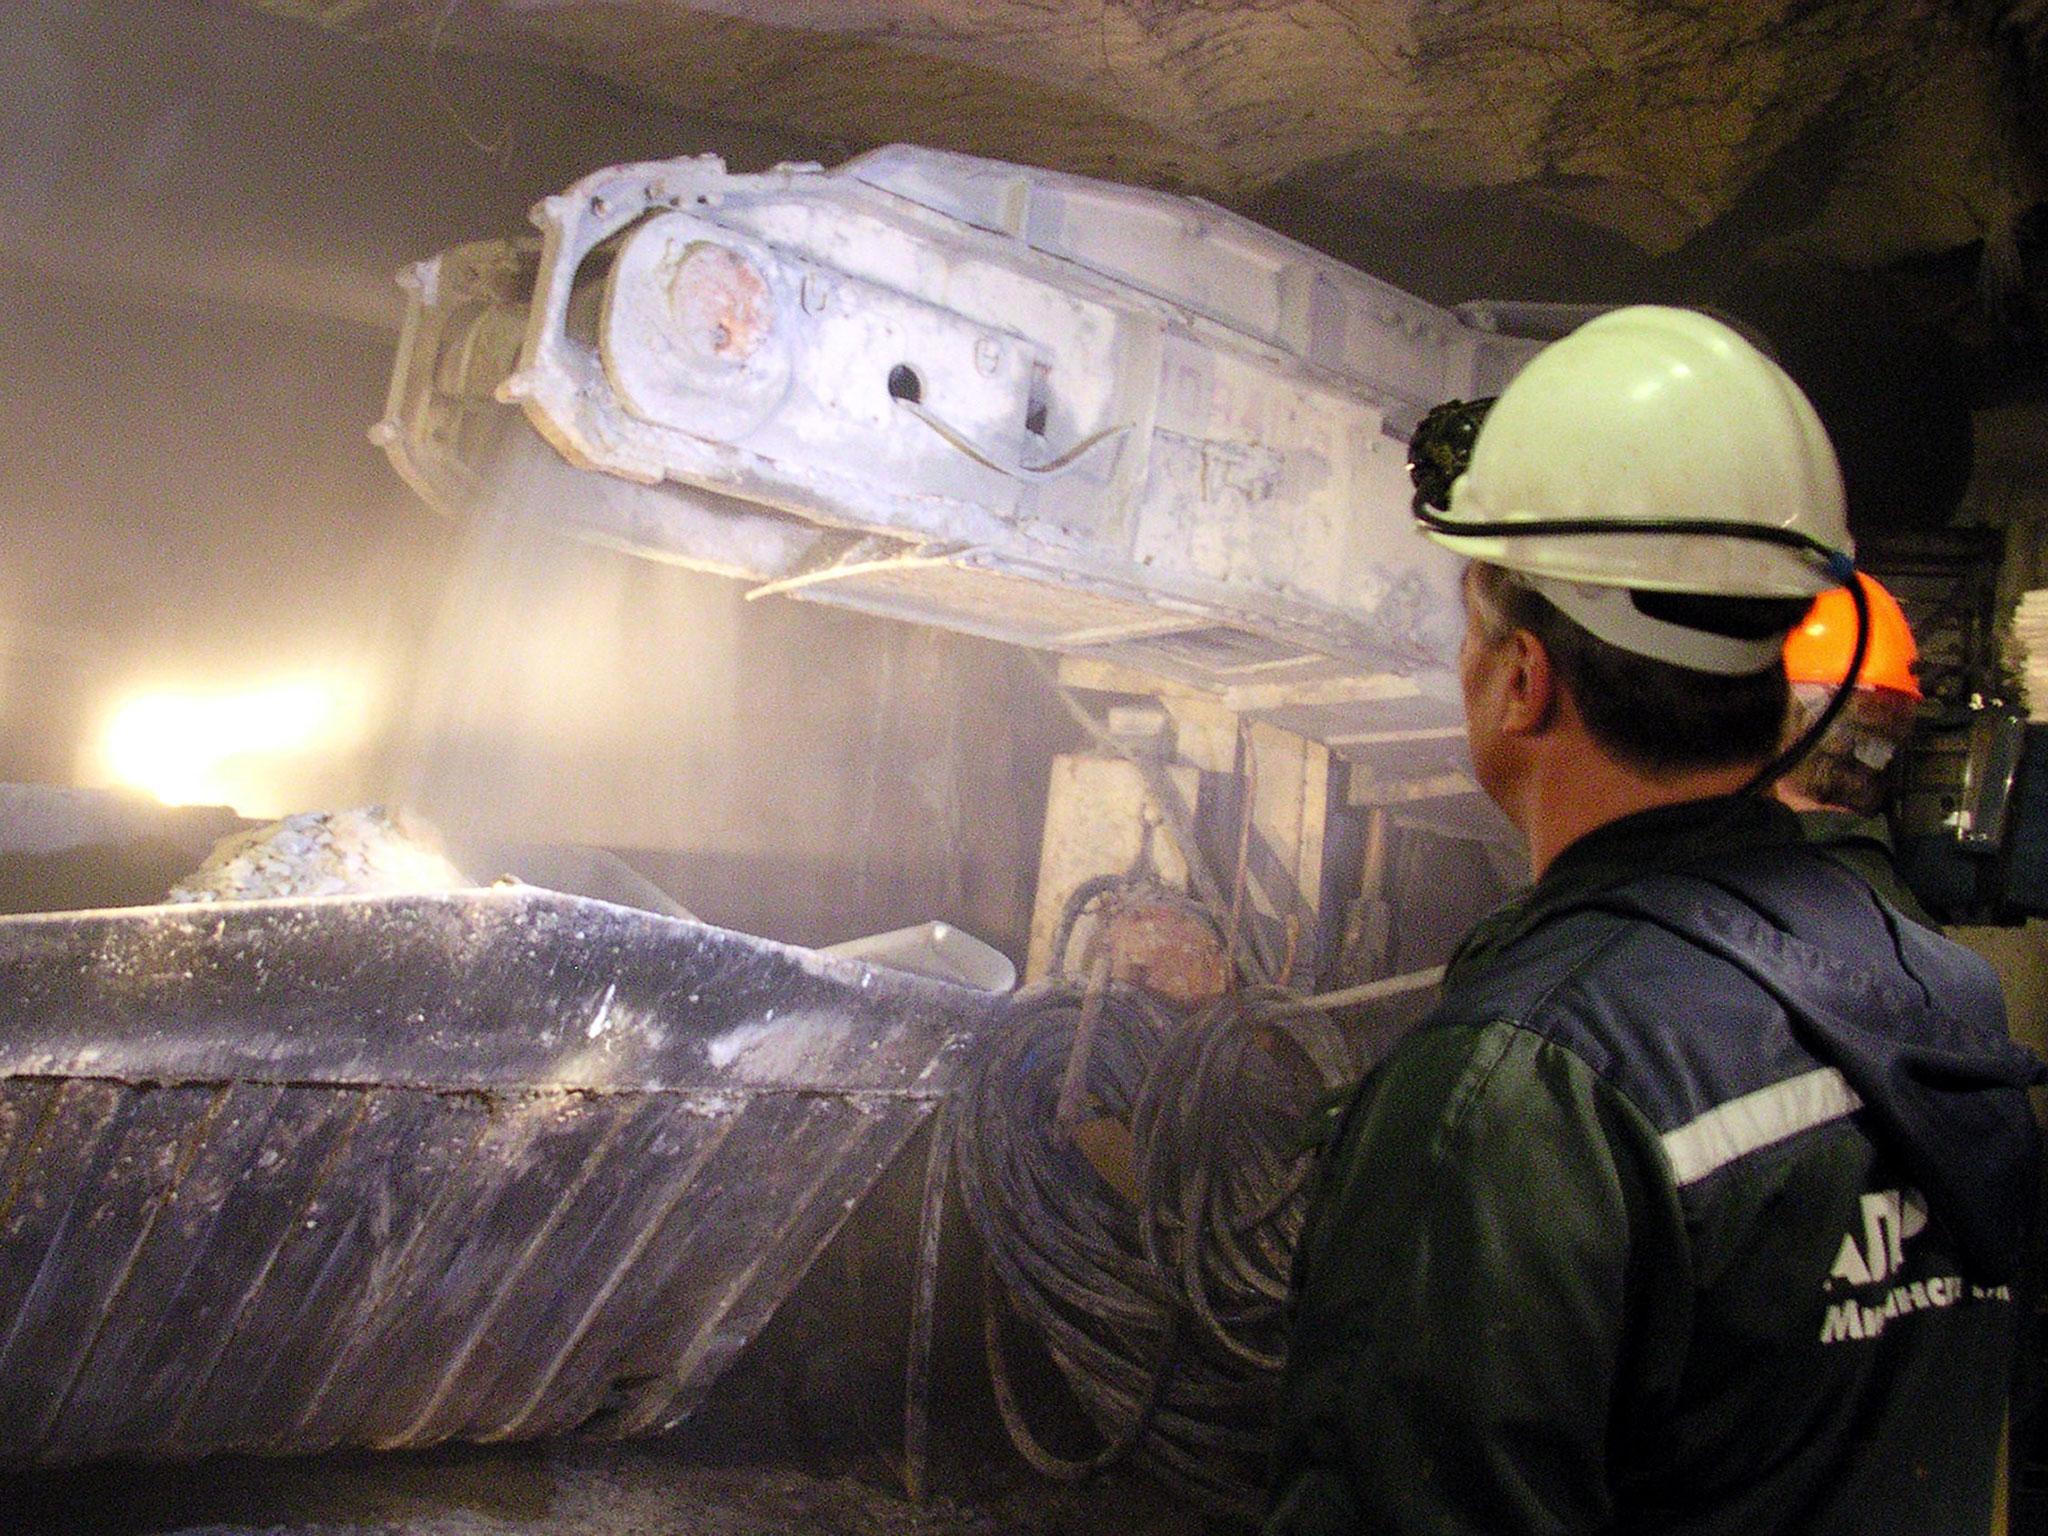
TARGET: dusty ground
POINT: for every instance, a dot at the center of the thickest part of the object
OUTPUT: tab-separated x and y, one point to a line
801	1439
657	1489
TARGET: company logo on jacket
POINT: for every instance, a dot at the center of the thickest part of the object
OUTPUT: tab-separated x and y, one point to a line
1891	1219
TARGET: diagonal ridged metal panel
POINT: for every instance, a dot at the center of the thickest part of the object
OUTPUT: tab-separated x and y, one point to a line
384	1171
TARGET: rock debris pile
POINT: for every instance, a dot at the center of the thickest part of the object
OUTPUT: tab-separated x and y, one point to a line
323	853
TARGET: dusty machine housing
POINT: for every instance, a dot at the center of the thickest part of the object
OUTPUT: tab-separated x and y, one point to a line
1099	420
1130	428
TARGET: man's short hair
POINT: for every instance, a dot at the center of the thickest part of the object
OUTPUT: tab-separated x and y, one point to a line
1851	765
1655	717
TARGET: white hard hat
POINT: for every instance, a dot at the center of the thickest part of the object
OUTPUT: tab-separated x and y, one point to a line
1660	417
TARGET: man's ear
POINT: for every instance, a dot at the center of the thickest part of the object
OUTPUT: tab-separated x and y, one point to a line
1530	690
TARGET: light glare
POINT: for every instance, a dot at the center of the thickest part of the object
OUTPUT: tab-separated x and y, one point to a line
220	748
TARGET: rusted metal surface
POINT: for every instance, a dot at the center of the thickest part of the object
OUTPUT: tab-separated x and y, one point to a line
719	302
384	1171
1168	948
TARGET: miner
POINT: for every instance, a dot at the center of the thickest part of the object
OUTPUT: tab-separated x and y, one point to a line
1701	1202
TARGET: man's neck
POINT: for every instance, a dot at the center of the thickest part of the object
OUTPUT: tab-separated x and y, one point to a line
1574	795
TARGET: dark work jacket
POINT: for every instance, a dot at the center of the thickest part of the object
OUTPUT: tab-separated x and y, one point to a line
1863	846
1697	1207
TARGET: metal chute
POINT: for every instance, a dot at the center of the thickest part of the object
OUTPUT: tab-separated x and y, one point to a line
281	1176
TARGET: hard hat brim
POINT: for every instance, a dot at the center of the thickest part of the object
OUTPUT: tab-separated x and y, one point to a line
1708	564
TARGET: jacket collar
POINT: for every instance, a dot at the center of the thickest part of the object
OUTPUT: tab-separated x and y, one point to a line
1666	837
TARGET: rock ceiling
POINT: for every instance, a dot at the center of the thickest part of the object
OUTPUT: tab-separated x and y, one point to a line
1858	130
1591	149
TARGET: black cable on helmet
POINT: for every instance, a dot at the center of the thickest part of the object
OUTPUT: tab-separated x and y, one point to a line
1795	753
1438	453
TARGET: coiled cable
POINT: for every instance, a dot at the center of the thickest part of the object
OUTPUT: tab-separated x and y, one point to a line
1148	1247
